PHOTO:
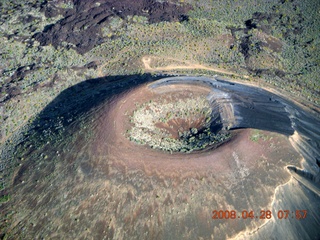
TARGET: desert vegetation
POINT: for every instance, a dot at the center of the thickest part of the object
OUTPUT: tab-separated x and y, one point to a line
176	124
272	42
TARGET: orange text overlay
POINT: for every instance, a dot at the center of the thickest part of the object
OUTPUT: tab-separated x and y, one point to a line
262	214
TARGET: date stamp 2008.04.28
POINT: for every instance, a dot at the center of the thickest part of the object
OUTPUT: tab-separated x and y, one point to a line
262	214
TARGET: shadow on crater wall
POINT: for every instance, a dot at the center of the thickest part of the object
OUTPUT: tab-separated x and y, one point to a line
64	181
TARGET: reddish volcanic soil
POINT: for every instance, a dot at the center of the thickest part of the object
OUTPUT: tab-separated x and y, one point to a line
240	174
222	160
98	184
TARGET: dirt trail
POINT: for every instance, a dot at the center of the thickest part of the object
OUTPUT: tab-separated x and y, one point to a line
147	61
248	80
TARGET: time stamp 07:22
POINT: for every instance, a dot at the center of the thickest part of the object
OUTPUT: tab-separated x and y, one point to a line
262	214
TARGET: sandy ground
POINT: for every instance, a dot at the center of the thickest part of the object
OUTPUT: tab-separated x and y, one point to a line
148	61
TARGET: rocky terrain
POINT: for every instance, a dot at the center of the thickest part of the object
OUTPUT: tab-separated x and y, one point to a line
47	46
65	67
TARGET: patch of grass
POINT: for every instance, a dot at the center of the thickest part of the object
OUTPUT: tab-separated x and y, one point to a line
4	198
176	124
256	135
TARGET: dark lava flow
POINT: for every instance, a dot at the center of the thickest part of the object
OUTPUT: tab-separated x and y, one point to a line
70	175
81	25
